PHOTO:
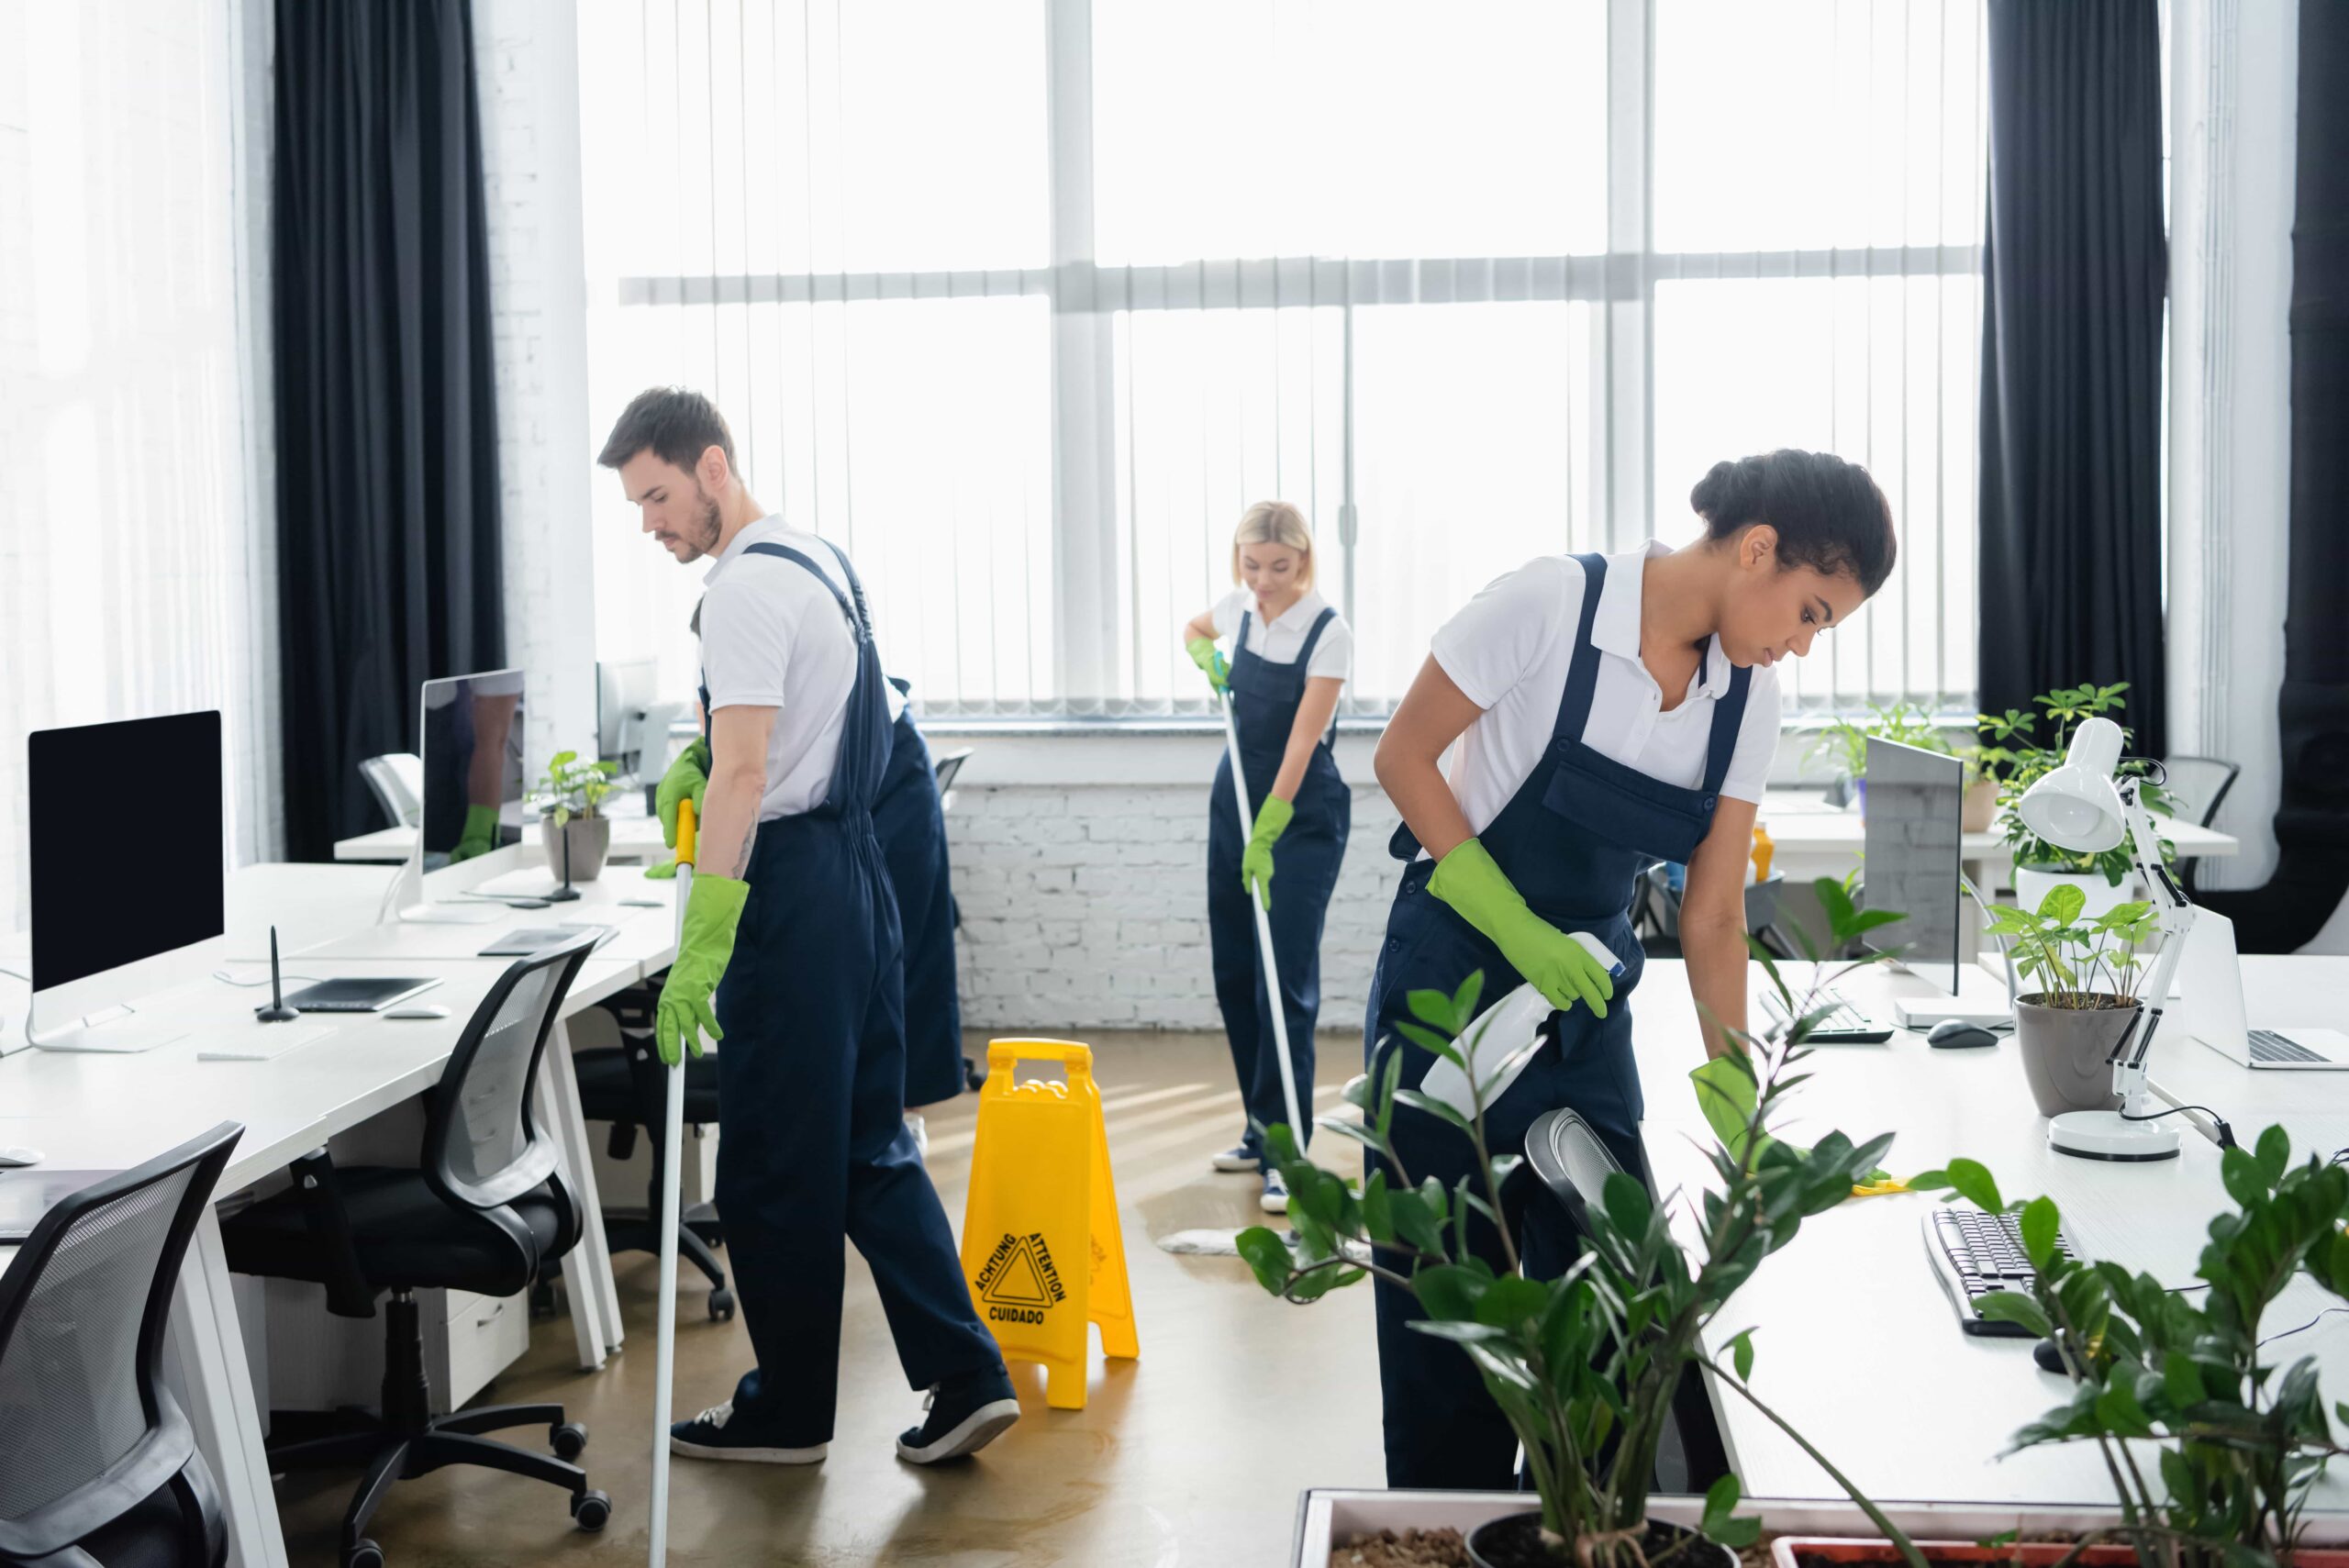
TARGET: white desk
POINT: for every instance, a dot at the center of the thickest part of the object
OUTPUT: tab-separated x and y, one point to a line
1815	839
101	1112
1856	1345
634	839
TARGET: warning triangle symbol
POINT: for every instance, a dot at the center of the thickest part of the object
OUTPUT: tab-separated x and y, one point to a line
1020	1282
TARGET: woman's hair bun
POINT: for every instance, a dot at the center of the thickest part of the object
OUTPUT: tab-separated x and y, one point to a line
1829	514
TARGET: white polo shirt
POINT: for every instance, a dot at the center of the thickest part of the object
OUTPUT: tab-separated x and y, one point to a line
772	636
1279	641
1508	649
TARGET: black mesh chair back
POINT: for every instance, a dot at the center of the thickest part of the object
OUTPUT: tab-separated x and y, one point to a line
482	1148
88	1434
2199	785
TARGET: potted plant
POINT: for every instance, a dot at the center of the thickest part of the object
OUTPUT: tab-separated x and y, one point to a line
2087	968
2101	878
2241	1439
1844	740
2002	746
1584	1365
568	798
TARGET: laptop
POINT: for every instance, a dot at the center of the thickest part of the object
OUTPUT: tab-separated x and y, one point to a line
2210	1007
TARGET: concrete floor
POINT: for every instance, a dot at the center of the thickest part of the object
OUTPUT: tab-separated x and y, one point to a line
1193	1454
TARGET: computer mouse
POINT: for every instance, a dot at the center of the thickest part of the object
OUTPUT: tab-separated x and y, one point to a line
1956	1034
416	1010
10	1158
2049	1357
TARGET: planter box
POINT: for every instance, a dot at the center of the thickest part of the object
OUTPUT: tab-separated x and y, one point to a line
1326	1516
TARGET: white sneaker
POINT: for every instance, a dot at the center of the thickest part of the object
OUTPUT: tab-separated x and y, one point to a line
919	1127
1275	1196
1239	1157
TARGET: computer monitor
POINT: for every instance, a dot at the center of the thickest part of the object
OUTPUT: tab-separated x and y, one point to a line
631	728
128	860
473	771
1915	855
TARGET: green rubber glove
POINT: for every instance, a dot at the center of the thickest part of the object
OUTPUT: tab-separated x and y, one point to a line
703	949
665	871
686	779
1210	658
480	836
1256	860
1558	967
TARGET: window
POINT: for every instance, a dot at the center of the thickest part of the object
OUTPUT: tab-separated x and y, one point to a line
1024	301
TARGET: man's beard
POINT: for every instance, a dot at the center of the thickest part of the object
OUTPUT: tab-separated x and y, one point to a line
704	539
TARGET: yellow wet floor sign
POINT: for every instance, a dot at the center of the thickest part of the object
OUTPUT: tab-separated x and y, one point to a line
1040	1243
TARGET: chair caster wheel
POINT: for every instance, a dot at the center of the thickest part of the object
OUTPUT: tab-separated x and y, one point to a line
366	1554
721	1305
590	1510
570	1440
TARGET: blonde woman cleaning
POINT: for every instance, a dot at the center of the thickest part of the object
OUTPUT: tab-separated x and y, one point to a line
1291	652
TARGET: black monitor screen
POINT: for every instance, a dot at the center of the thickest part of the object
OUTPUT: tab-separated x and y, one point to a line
128	842
1916	808
473	766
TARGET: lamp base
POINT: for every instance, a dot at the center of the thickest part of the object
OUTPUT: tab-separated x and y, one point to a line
2109	1135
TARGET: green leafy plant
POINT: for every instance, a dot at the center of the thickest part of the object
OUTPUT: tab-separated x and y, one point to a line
1583	1366
2077	963
572	788
2024	765
2004	745
1846	738
2241	1440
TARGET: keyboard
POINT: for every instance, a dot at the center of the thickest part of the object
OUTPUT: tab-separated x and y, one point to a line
1974	1254
1843	1024
2266	1045
256	1042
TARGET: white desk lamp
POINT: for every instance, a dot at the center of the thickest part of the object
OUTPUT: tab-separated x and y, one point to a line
2082	807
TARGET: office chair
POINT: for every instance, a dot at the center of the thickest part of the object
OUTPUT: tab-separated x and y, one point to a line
2198	784
1656	913
488	1210
949	764
629	1087
1571	1162
98	1462
397	779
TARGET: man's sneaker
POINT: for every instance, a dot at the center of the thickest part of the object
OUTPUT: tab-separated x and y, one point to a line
916	1125
965	1416
1275	1198
715	1434
1239	1157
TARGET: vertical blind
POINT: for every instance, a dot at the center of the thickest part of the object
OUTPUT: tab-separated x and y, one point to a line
135	553
1024	302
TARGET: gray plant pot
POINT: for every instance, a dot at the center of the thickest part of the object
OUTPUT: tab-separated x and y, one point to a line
591	841
2064	1052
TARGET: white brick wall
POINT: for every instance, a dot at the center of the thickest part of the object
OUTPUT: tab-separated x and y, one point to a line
1085	906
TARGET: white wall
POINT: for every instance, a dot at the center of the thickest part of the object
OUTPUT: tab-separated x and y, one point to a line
2233	123
527	72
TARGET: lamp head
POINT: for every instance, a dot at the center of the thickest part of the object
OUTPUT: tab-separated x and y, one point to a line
2078	808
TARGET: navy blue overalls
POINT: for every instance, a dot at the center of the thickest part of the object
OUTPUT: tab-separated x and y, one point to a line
911	821
1573	840
1265	698
811	1094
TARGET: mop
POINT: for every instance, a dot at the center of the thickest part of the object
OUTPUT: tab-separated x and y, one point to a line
672	1138
1221	1243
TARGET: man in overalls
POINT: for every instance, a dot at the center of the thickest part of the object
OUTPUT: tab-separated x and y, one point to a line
791	952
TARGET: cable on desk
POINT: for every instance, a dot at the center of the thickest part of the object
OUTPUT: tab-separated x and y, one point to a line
223	976
2226	1133
2305	1327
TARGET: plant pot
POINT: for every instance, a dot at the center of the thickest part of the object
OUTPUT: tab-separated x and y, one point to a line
1792	1551
1981	807
1514	1541
2034	882
590	838
2064	1052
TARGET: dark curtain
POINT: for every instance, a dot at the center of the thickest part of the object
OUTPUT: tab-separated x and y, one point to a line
2074	269
387	421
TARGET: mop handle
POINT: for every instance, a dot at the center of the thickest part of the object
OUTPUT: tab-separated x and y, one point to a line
1264	931
673	1137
